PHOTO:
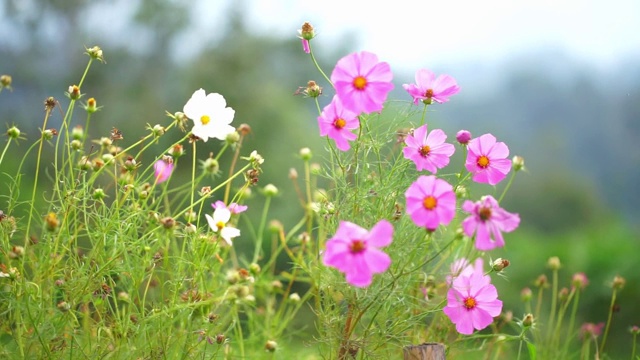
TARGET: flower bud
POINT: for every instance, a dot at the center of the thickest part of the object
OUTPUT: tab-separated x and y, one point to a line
97	164
63	306
255	158
91	106
51	222
463	137
5	81
168	222
271	346
554	263
618	282
541	281
189	228
16	252
77	133
461	192
49	103
579	281
84	163
517	163
244	129
98	194
500	264
74	92
313	90
211	165
275	226
305	154
563	295
48	134
13	132
315	168
294	297
306	31
190	216
232	137
270	190
130	164
158	130
105	142
220	339
107	158
176	151
254	268
635	330
528	320
526	294
95	53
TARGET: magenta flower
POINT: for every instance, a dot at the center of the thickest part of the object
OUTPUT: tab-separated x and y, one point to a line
488	220
233	207
591	330
362	82
463	137
163	169
354	251
487	160
336	121
472	301
428	152
429	89
305	46
431	202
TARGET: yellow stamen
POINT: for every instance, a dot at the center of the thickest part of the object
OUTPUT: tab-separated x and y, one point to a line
469	303
339	123
360	83
430	202
483	161
425	150
428	94
220	225
204	119
358	246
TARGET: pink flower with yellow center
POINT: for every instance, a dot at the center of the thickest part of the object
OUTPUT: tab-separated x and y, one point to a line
362	82
472	301
428	152
429	89
336	122
431	202
355	251
487	160
488	220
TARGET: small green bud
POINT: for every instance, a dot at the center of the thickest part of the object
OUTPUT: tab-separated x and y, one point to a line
158	130
554	263
270	190
517	163
77	133
91	106
211	165
305	154
95	53
528	320
271	346
13	132
74	92
232	137
98	194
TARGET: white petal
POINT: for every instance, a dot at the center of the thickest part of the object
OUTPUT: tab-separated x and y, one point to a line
212	223
228	233
193	107
222	214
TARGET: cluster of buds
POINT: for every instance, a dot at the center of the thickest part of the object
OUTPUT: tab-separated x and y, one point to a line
95	53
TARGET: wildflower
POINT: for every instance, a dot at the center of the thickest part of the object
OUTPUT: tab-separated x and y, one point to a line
362	82
336	122
487	221
305	46
307	31
233	207
431	202
218	224
463	137
472	301
312	90
580	280
91	106
428	89
428	152
51	222
355	251
74	92
210	115
95	53
591	330
163	169
255	158
487	160
618	282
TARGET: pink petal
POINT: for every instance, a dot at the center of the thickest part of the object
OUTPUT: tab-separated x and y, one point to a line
381	234
376	260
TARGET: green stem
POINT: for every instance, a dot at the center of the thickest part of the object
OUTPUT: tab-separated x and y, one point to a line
6	147
506	188
315	62
263	222
554	299
609	317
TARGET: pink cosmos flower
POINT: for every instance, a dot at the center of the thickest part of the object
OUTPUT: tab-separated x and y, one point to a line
462	266
362	82
305	46
487	160
428	89
428	152
336	121
163	169
431	202
354	251
233	207
487	221
472	301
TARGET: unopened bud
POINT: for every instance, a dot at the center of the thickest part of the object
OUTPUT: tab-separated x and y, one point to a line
541	281
463	137
526	294
270	190
232	137
306	31
74	92
211	165
77	133
500	264
517	163
190	216
51	222
461	192
305	154
294	297
579	280
254	268
244	129
5	81
618	282
158	130
63	306
554	263
528	320
168	222
98	194
13	132
48	134
91	106
176	151
220	339
313	89
271	346
95	53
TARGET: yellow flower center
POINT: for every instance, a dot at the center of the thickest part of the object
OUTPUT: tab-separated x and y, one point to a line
360	82
357	246
339	123
428	94
220	225
204	119
469	303
430	202
483	161
425	150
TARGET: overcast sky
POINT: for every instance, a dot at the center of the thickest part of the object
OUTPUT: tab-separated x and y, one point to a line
427	32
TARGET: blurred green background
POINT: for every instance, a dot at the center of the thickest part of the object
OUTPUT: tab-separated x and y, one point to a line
575	122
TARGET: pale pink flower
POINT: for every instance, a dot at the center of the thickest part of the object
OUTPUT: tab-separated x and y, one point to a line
428	89
462	266
488	220
362	82
305	46
472	301
431	202
355	251
233	207
579	280
428	152
487	159
336	121
163	169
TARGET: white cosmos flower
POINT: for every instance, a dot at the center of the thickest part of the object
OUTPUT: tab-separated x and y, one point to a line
218	223
210	115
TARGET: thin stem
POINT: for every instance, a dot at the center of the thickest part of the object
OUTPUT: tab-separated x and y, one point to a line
506	188
315	62
263	222
606	329
6	147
